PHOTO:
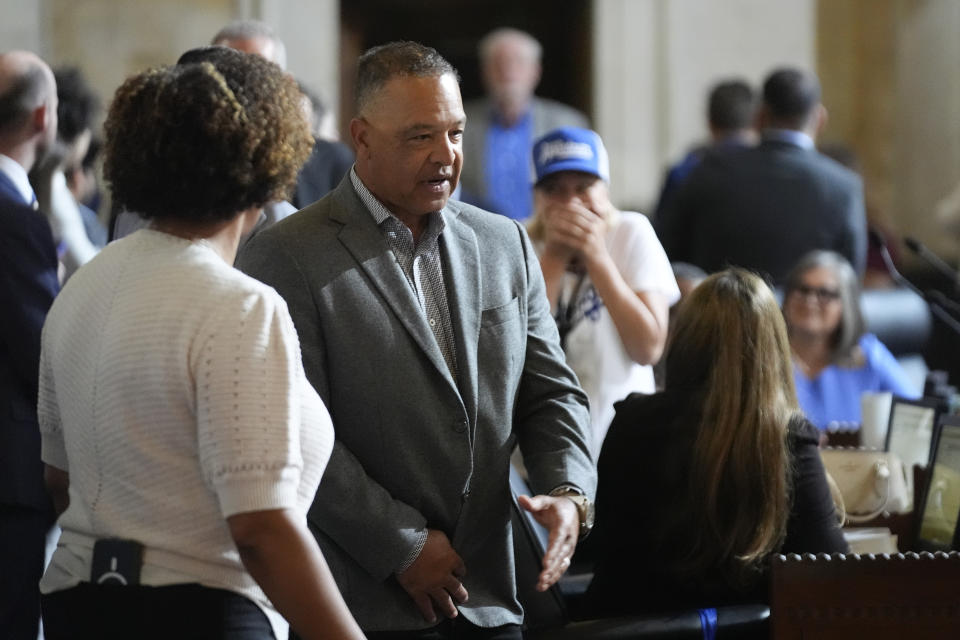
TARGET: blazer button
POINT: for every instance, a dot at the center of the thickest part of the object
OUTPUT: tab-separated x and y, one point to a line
460	426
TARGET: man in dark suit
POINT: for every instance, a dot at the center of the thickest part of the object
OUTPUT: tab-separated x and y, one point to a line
329	161
731	118
28	283
763	208
425	327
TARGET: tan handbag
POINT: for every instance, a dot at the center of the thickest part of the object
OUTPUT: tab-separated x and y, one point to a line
871	482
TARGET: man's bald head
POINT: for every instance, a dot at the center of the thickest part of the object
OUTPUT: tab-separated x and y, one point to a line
26	82
28	107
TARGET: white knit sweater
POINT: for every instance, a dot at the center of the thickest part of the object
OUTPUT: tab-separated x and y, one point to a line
172	391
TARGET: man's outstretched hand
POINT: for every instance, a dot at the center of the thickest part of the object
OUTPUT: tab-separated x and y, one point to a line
559	515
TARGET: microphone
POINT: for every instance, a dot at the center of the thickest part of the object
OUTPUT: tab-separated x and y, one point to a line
877	240
941	306
921	251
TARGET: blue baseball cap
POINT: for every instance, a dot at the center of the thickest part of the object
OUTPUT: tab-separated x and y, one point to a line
570	149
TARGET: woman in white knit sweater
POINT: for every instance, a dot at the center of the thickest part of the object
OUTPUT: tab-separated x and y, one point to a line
182	440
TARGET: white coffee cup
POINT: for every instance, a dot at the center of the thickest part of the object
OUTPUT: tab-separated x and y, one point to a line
874	418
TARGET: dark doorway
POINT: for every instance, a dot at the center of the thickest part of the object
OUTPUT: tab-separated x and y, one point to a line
454	27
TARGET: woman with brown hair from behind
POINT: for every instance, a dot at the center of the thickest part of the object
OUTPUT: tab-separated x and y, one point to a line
699	484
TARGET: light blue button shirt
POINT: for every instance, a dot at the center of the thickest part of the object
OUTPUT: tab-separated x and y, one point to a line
18	176
790	136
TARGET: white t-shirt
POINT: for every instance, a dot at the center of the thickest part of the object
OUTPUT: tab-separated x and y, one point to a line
172	391
593	346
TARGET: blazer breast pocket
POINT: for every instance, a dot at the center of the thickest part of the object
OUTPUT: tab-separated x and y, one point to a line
500	350
500	315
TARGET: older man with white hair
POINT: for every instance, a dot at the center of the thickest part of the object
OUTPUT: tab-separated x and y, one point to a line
253	36
502	126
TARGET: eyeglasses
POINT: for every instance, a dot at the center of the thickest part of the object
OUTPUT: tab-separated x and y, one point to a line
822	294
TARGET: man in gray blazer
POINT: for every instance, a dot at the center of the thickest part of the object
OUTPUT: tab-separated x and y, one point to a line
503	125
763	208
424	326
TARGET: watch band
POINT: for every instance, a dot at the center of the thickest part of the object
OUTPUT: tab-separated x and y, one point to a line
583	504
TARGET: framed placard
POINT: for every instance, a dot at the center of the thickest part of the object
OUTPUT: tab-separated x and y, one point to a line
910	431
940	508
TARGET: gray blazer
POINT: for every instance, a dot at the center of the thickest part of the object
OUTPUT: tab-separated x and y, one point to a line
416	448
547	116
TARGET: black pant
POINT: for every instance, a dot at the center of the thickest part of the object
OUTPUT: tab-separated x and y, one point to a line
177	611
457	629
23	537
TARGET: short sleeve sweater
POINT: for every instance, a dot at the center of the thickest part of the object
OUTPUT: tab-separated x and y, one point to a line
172	391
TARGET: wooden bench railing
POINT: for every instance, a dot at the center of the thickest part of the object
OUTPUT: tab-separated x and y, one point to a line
845	597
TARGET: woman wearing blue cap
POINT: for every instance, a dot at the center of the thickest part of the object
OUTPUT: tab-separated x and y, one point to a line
608	280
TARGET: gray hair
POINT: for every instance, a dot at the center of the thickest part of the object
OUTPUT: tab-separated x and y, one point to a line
379	65
250	29
490	41
852	326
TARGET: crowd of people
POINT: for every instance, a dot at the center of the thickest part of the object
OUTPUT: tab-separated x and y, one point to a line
289	390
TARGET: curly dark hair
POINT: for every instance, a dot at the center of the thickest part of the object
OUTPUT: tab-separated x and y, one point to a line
204	141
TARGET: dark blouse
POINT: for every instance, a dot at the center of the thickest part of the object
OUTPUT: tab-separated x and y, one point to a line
642	511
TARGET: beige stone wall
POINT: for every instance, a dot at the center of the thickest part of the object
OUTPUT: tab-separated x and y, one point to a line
20	27
926	138
111	39
889	74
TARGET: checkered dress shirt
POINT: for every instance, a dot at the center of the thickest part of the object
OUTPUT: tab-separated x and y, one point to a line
421	263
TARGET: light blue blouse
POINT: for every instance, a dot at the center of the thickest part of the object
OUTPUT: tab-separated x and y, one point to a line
834	395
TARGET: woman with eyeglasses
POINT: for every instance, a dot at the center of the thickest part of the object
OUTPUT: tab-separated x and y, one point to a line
835	360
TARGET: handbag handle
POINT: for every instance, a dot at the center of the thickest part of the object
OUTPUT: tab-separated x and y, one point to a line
882	474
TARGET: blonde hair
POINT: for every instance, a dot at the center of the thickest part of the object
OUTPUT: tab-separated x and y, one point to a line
729	348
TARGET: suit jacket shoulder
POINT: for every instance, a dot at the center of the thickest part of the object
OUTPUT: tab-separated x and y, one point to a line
763	208
325	168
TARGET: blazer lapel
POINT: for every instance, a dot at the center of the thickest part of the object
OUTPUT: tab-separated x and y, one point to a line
462	275
361	237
